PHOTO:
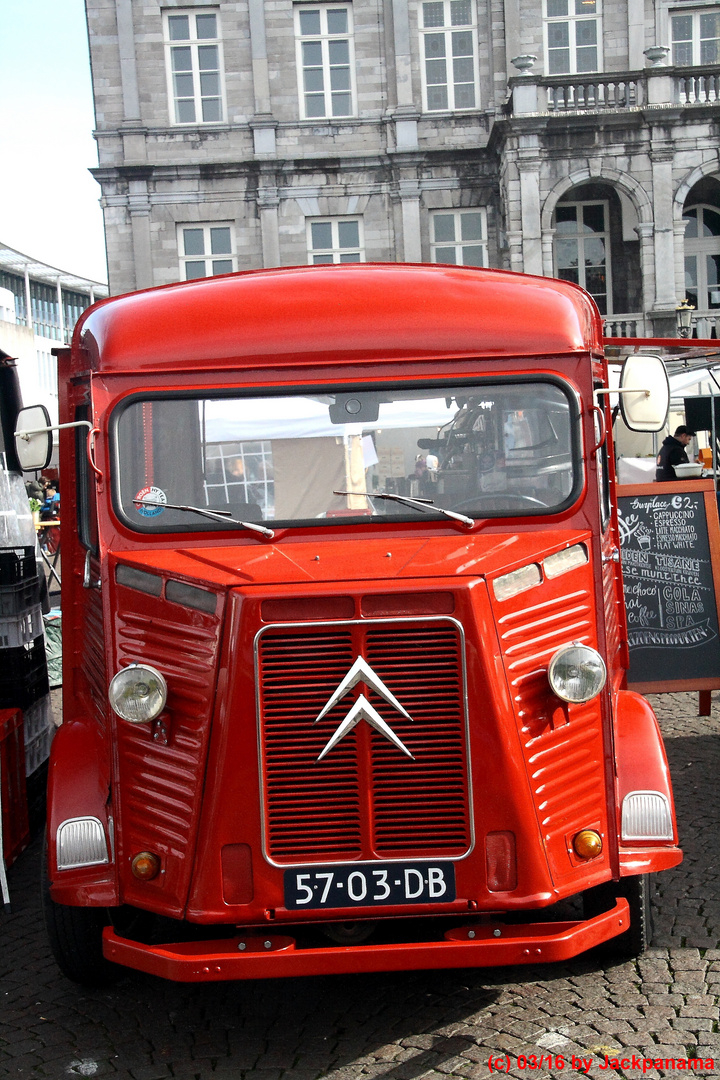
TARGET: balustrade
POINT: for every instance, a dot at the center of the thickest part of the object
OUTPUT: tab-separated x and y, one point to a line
705	326
599	92
625	326
592	94
698	87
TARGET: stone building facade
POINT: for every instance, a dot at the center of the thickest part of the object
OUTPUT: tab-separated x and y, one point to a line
576	138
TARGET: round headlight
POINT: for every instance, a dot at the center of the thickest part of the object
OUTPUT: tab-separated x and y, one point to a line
577	673
138	693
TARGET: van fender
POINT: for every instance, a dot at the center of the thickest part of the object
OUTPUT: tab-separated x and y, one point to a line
641	766
79	788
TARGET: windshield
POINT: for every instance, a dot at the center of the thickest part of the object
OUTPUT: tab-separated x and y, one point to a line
495	449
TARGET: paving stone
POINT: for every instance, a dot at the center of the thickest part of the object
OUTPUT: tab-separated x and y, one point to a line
400	1026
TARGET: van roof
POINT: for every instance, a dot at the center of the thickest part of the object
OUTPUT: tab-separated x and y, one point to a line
333	313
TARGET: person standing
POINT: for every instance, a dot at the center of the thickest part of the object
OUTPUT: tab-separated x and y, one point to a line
673	452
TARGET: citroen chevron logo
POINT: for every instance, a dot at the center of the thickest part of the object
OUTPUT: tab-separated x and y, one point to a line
362	709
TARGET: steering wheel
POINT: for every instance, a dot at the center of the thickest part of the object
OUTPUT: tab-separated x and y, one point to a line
500	501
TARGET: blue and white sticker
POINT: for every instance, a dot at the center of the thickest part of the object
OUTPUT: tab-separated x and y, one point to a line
152	495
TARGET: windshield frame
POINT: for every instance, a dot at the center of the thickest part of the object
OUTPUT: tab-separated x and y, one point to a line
202	525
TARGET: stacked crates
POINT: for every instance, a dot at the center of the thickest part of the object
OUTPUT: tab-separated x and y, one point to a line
23	665
23	670
24	689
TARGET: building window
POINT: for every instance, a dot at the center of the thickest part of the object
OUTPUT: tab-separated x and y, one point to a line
206	250
582	248
74	304
449	55
696	37
702	257
459	237
325	60
335	240
194	60
16	285
45	310
572	36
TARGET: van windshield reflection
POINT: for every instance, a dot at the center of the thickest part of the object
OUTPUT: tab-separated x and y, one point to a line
487	450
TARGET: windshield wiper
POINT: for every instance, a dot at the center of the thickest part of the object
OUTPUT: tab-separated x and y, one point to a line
419	504
216	515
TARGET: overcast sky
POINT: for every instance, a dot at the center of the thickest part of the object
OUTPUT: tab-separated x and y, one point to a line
48	200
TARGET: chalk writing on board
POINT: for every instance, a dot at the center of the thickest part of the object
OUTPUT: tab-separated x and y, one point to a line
669	588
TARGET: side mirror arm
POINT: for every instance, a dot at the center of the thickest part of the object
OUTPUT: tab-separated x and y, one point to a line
25	435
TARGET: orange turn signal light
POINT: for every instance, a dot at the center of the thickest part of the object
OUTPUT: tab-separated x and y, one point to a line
146	865
588	844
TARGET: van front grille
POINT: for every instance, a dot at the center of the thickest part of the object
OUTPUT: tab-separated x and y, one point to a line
365	797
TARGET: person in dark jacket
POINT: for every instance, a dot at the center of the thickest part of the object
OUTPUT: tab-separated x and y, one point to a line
672	453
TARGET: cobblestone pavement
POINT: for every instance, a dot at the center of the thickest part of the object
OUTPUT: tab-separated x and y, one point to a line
399	1026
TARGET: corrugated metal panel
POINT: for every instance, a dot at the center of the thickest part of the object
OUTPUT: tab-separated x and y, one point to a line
94	665
563	744
161	784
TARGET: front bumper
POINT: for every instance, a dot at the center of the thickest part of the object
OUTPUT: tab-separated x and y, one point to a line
276	956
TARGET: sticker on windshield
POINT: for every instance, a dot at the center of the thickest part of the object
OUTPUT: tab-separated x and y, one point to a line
146	497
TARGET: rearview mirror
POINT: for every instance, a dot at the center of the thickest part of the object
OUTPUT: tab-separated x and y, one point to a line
644	393
33	438
355	409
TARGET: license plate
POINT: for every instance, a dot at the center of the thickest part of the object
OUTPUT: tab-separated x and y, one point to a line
369	885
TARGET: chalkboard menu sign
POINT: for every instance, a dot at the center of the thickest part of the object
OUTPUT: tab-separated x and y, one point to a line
670	548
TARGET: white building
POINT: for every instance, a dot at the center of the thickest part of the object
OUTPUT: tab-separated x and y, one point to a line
39	306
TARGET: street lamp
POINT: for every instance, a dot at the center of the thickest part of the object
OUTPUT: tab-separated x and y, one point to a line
683	318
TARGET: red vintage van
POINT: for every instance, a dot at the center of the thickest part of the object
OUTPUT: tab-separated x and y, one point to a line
344	634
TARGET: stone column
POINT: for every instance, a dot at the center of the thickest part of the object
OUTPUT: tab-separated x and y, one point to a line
403	53
530	216
409	191
139	209
514	239
133	132
548	252
647	267
405	112
679	228
268	202
636	34
513	43
663	309
263	125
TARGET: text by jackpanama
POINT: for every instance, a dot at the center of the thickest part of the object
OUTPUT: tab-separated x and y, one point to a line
529	1062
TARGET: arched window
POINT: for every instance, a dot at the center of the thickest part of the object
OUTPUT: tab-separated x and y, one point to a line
702	257
582	248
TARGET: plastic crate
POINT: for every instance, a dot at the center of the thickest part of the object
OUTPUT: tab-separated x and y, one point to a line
38	717
18	630
23	675
17	599
37	750
17	564
15	825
